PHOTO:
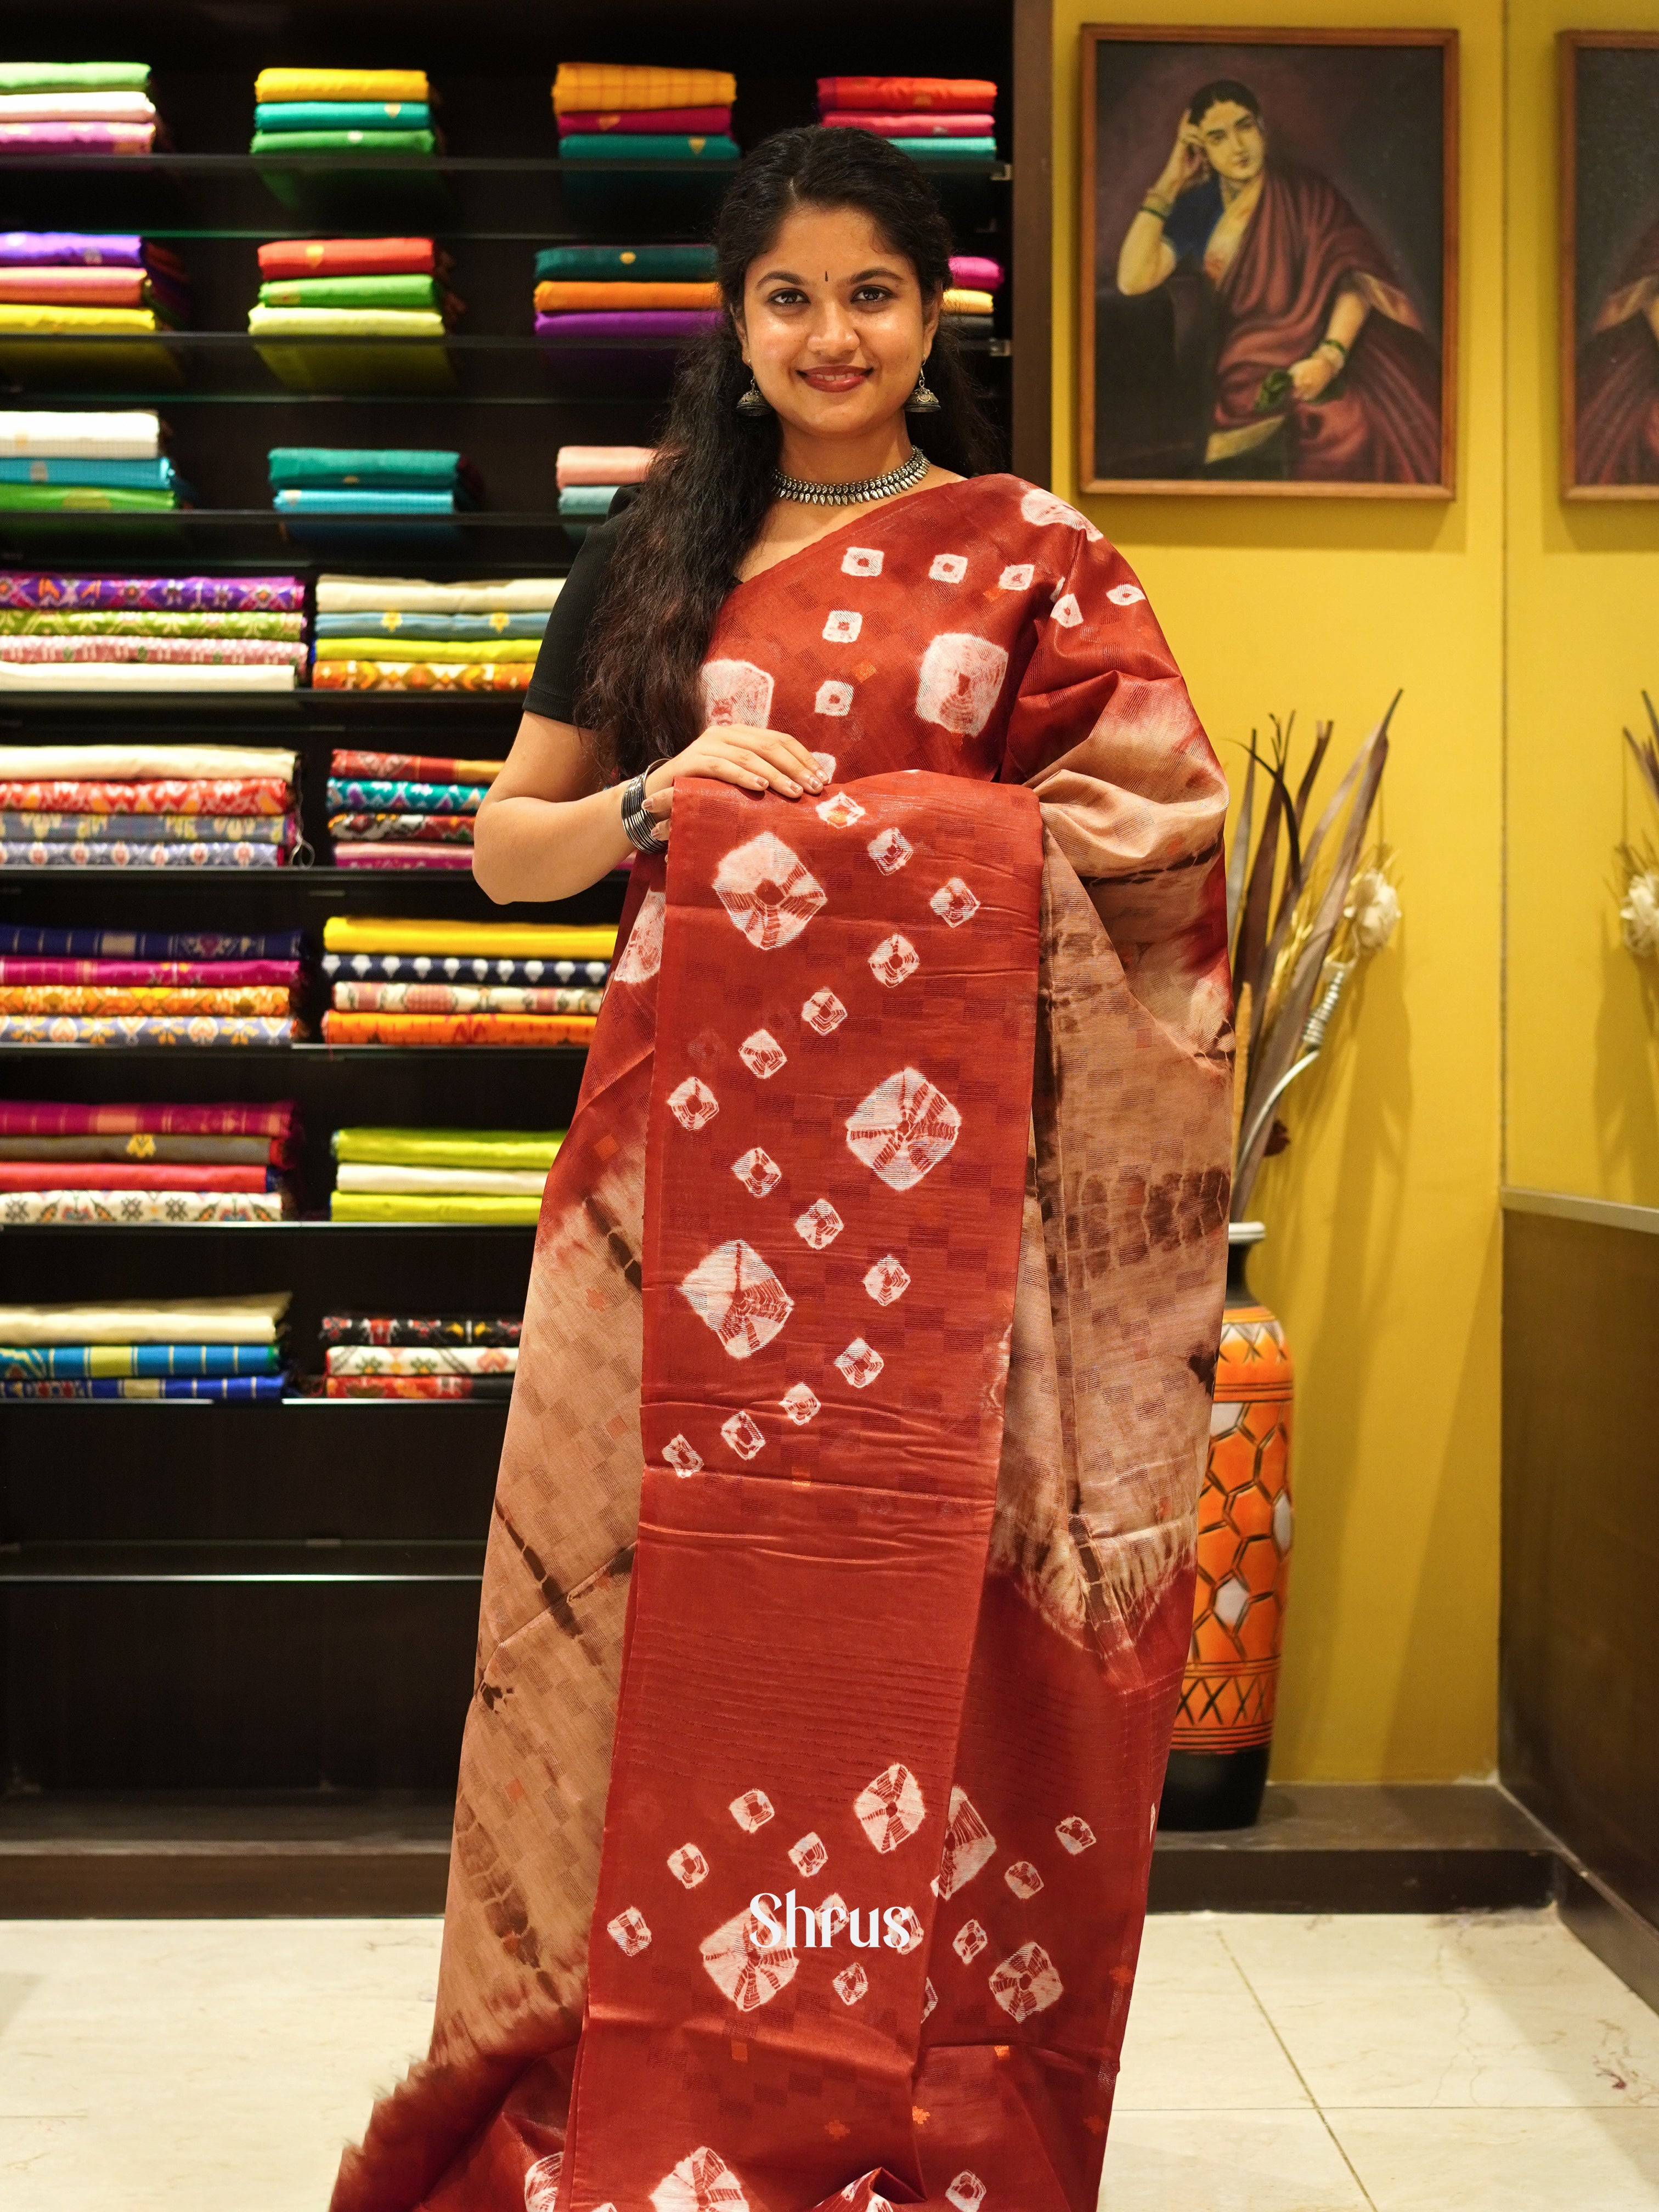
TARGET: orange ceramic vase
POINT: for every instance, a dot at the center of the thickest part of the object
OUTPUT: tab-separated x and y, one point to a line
1224	1731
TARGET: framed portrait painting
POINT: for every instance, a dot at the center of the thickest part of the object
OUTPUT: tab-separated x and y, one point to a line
1269	262
1609	265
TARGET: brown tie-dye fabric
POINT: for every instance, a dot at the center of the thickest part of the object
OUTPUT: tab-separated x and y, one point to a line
1113	1322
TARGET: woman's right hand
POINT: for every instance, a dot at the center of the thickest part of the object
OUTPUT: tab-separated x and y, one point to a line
1185	165
734	752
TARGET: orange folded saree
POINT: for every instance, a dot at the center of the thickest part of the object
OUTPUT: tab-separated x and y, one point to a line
840	1574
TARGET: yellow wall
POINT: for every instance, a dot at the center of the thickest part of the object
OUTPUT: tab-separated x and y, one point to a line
1383	1253
1582	1062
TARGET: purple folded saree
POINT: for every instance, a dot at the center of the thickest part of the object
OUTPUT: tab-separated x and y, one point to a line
71	249
156	594
79	137
661	326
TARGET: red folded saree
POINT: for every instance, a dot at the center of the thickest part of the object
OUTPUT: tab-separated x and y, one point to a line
103	1175
842	1547
284	258
413	768
22	1117
895	94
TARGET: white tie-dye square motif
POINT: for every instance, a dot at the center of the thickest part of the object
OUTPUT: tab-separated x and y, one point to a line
743	1434
736	691
1026	1981
1040	507
861	561
768	892
890	1808
702	2182
833	698
693	1104
961	677
893	960
842	626
954	903
823	1012
890	851
742	1967
860	1364
739	1298
903	1129
642	957
761	1055
948	569
1017	577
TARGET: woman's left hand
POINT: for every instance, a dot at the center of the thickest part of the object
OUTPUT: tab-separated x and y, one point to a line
1310	377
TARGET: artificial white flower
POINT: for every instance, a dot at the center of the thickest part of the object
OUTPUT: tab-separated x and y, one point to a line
1640	914
1373	909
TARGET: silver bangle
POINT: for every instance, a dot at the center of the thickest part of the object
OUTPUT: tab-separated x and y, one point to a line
638	826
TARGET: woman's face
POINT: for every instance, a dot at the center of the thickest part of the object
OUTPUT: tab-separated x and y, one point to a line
1234	143
833	323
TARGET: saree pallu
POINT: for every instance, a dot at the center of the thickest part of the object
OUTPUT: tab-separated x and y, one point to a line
421	1329
457	1028
348	855
494	1389
145	1029
419	1359
23	1363
62	827
403	829
890	1128
419	675
164	795
158	594
463	998
34	1209
230	1387
136	1174
25	1117
85	853
457	968
21	942
413	768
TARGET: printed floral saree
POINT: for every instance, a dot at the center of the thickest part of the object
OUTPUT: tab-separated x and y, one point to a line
841	1553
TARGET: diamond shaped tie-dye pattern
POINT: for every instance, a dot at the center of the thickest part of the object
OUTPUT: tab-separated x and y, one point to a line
903	1129
739	1296
769	895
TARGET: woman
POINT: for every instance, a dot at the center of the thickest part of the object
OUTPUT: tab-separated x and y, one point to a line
1322	372
808	1788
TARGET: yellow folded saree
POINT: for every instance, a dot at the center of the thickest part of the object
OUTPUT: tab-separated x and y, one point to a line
506	940
503	1150
587	88
340	84
418	648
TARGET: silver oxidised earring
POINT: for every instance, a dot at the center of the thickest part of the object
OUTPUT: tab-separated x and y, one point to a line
755	402
923	400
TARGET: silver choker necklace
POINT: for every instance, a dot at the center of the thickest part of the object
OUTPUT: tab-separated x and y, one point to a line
907	473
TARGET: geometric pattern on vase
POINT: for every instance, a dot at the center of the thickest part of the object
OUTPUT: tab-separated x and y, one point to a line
1246	1527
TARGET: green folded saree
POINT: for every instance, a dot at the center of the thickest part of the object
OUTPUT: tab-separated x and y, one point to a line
353	292
344	142
449	1148
82	499
402	1206
74	76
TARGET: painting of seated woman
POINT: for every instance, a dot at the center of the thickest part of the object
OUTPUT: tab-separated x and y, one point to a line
1610	271
1269	271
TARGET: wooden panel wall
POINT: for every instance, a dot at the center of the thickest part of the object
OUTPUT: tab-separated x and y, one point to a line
1579	1743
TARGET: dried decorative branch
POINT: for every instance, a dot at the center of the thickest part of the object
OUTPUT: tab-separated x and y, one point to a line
1639	912
1331	914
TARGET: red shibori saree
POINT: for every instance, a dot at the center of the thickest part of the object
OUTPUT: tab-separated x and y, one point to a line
842	1544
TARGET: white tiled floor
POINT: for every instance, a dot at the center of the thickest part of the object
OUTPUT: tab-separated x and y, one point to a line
1486	2063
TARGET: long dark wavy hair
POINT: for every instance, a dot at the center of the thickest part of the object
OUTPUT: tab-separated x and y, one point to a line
680	545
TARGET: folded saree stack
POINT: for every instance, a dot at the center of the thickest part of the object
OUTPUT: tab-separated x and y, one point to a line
480	1175
344	113
420	1355
84	464
327	493
609	113
58	287
399	634
149	634
146	805
379	998
123	1164
114	986
405	810
970	299
380	305
938	118
598	308
55	108
589	478
156	1348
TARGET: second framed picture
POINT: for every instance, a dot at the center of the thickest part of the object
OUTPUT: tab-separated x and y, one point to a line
1269	262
